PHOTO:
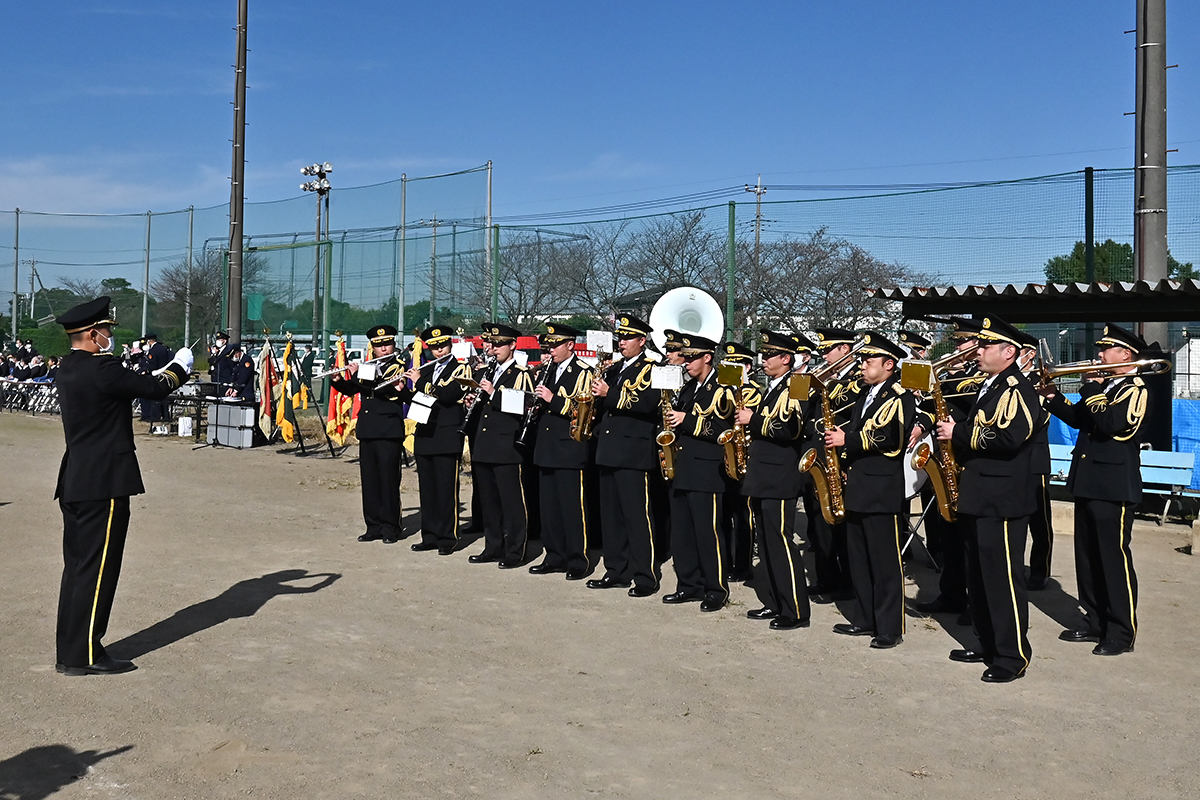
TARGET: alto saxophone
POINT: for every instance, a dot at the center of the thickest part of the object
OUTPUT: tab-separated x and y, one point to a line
826	474
666	437
736	441
583	407
943	472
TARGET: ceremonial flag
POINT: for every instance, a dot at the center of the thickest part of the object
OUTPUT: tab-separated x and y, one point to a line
268	389
294	394
343	409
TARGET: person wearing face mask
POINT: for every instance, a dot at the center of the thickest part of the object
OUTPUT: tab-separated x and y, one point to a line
99	473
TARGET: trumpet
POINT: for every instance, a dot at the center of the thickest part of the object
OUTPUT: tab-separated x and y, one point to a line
1146	366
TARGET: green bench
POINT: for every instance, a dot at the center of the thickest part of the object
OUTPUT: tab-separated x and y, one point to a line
1164	472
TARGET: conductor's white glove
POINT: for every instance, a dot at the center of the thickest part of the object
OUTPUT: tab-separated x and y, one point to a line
185	358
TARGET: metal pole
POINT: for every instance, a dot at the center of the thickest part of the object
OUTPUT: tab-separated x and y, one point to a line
237	195
730	267
341	267
16	272
1089	241
146	279
292	276
316	310
487	239
403	253
433	274
187	295
495	272
1150	198
453	264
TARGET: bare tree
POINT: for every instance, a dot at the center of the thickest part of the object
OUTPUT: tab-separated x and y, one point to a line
81	287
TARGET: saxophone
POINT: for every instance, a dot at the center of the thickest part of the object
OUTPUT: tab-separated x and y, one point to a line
666	437
827	474
736	441
583	405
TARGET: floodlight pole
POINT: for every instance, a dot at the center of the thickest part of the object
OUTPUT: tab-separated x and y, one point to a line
237	194
16	272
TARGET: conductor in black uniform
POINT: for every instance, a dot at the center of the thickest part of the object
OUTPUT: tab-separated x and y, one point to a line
220	365
495	460
1106	481
773	482
625	454
98	475
380	432
438	442
997	493
875	439
560	459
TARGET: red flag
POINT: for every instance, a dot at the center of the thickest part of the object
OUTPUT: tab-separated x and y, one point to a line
343	409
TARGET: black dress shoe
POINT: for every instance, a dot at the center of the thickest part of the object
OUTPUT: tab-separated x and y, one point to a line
762	613
483	558
966	656
1110	648
846	629
607	582
643	591
1079	635
740	576
370	537
886	642
817	588
788	624
390	539
681	597
578	574
1036	584
505	563
446	550
105	666
422	546
1000	675
941	605
712	604
545	569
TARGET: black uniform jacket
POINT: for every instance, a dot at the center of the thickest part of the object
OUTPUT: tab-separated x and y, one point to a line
243	377
776	442
555	449
440	435
958	390
629	414
995	446
496	432
876	439
699	460
1106	464
95	392
220	367
380	413
842	393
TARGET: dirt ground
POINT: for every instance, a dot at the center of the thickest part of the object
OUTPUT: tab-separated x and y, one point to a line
280	658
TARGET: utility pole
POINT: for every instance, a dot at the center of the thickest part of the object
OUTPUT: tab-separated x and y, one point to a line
1150	154
433	274
237	188
759	191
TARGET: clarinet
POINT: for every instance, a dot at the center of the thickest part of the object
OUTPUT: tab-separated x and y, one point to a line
524	439
471	402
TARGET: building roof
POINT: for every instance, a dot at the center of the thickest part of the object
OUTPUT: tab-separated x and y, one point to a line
1165	301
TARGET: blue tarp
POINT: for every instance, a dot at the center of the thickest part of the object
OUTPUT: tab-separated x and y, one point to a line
1185	430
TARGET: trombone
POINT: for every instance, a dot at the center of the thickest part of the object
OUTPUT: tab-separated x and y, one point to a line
1146	366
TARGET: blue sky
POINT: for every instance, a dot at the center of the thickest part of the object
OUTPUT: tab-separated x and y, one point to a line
125	106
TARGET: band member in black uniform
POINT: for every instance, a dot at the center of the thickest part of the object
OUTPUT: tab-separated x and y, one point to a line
773	483
916	344
736	529
1041	522
626	453
561	460
98	475
220	364
157	356
1106	481
495	460
994	445
380	432
242	377
697	491
471	430
959	386
673	347
438	442
828	542
875	440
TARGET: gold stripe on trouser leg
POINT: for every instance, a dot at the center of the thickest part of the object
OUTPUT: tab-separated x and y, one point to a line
1012	592
524	507
717	541
583	515
900	566
650	525
457	470
112	507
787	549
1128	580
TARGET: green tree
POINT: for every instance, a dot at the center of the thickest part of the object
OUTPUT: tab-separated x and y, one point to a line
1113	262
